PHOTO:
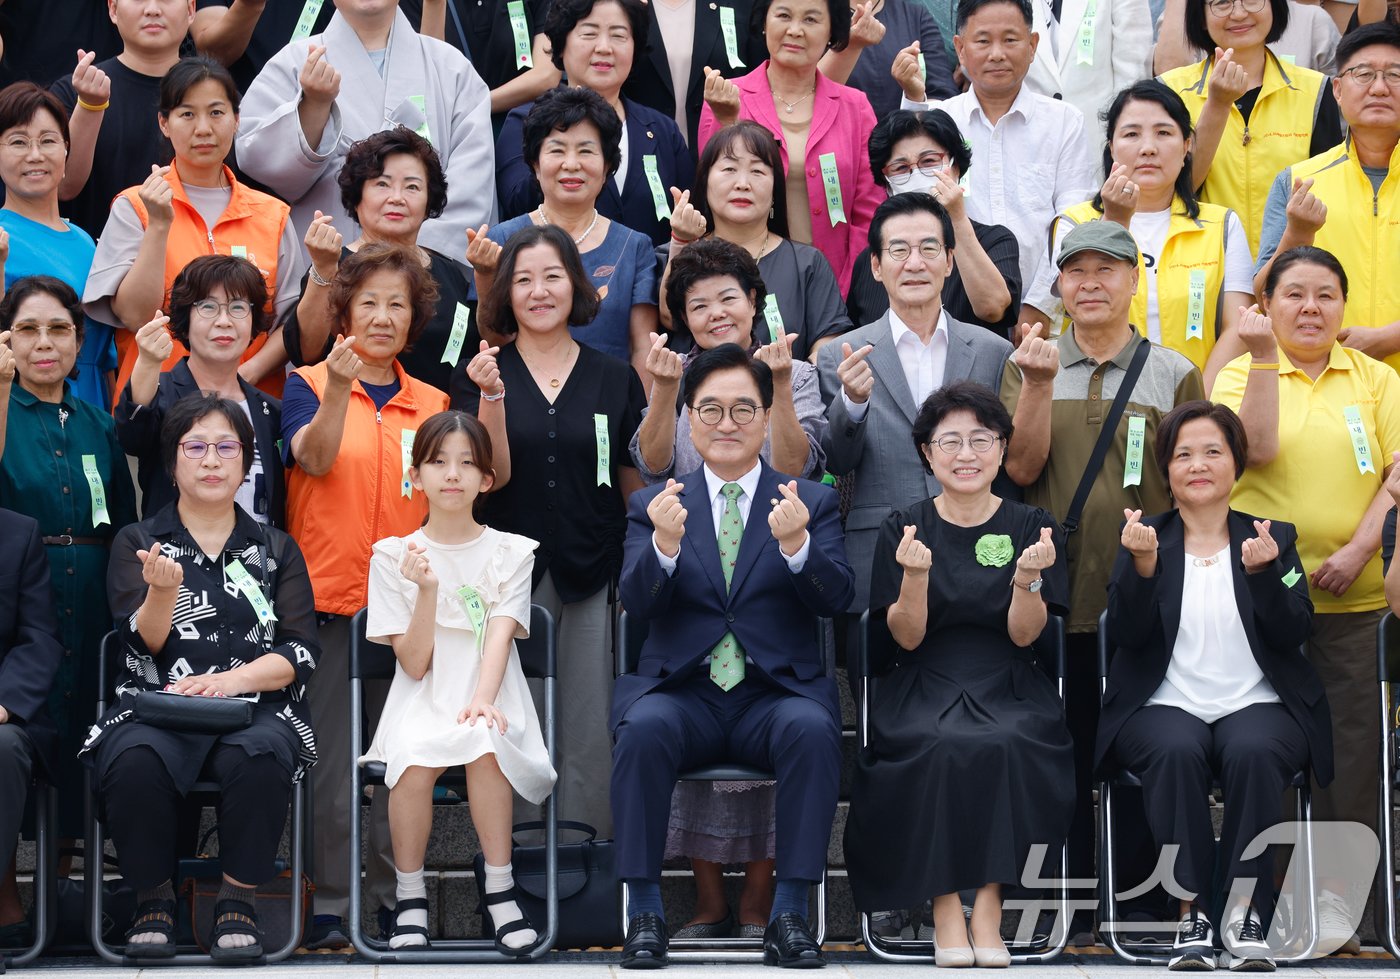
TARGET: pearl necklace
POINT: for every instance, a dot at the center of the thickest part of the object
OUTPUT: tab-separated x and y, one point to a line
586	231
789	106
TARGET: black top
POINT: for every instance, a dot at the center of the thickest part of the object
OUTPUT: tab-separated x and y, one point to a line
480	29
423	361
42	38
867	300
1388	539
128	144
554	495
138	431
30	648
1327	128
272	34
905	21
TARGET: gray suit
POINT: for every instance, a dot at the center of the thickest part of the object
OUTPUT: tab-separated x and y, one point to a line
878	451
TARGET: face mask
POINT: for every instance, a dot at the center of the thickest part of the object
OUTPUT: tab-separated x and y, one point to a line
916	182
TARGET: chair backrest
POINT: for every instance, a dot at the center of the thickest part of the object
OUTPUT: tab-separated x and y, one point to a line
1103	648
375	661
107	669
632	634
1388	649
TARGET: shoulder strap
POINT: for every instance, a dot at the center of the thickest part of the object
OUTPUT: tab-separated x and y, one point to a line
1106	435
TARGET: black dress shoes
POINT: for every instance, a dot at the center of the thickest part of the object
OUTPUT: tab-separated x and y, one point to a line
645	947
788	942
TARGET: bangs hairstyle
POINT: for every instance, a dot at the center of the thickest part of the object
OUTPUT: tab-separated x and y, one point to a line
353	271
760	142
711	258
365	160
42	285
838	12
901	124
21	102
1198	26
495	312
434	432
564	16
240	279
969	396
727	357
184	414
189	72
1169	431
1383	32
560	109
1304	255
1151	90
966	8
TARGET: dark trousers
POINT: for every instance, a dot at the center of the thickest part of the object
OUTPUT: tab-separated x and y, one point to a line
16	768
695	723
142	809
1255	752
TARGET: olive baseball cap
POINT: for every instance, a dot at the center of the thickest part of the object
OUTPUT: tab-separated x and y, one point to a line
1108	237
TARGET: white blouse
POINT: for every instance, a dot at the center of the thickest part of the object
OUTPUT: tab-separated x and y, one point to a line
1212	672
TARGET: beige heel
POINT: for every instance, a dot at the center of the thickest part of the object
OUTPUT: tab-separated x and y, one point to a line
991	958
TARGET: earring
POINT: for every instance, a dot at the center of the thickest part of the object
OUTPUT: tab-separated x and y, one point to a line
770	212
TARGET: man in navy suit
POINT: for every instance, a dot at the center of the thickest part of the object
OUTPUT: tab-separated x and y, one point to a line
731	566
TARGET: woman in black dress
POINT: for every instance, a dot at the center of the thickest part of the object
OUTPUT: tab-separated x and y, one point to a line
969	762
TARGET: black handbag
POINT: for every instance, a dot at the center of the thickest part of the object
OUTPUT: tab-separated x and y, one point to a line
192	714
588	908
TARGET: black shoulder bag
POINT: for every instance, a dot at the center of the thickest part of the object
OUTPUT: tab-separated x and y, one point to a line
1106	435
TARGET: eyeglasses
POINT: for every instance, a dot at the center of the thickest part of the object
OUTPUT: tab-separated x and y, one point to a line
47	143
954	443
712	414
239	309
1223	8
929	248
928	163
32	331
195	449
1365	75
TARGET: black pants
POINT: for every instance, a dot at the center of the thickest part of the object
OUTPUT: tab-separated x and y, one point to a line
1255	752
142	813
16	766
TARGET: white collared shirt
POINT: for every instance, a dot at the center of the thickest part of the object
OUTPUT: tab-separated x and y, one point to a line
924	363
748	486
1034	163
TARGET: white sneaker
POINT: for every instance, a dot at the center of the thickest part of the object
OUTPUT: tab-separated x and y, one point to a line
1245	947
1334	931
1194	948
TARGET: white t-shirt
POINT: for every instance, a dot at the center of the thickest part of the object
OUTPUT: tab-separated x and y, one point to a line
1212	672
247	494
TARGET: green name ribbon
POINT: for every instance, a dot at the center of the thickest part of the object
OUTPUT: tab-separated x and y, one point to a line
658	192
731	37
1084	45
1360	444
452	353
1291	579
238	251
309	12
249	589
600	438
923	72
96	491
521	31
773	316
835	210
1137	437
406	452
1196	306
476	614
421	105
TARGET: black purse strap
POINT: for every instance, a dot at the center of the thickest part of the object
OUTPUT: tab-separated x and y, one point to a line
1106	436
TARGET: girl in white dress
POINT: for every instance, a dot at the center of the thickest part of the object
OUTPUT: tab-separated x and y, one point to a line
450	598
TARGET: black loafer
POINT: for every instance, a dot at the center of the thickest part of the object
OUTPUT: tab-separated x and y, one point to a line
645	947
788	943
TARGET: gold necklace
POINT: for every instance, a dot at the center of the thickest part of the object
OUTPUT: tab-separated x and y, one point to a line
789	106
554	381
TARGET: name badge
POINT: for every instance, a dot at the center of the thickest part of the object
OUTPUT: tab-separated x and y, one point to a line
774	318
406	453
601	440
1196	306
238	251
731	37
421	105
923	72
476	614
658	192
521	32
96	491
835	210
452	353
1360	444
1084	44
249	589
307	21
1137	438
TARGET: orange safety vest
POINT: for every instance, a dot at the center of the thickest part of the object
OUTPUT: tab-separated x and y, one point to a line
250	227
365	497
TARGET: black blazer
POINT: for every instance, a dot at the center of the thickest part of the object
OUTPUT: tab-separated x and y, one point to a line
1143	615
138	431
30	649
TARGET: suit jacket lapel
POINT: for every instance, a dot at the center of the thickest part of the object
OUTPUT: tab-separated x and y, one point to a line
700	531
960	353
1067	33
884	361
826	106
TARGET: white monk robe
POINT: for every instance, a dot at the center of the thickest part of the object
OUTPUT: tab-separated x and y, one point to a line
417	71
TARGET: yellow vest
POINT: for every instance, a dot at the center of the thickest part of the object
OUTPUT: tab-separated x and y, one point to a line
1363	231
1194	246
1279	134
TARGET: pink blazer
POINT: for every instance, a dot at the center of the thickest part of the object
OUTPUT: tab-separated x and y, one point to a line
841	123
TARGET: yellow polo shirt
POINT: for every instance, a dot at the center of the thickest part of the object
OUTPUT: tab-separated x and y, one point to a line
1315	482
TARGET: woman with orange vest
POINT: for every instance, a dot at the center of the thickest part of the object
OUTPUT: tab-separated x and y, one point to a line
190	208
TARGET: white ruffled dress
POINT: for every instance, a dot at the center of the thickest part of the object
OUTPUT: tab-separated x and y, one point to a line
419	724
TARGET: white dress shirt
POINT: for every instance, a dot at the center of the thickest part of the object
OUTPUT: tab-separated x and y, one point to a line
924	363
748	486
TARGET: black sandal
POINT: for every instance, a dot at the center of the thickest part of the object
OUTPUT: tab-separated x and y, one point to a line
409	904
156	916
233	917
519	924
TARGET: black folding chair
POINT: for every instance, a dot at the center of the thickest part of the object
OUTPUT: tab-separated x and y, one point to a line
1303	939
632	633
206	792
1050	651
1387	673
375	661
44	914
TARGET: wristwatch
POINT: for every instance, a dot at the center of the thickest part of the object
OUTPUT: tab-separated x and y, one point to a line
1033	587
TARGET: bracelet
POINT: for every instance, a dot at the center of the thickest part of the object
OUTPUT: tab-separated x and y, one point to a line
94	108
319	279
495	397
681	241
1257	366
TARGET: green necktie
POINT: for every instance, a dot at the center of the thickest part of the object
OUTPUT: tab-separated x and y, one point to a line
727	658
